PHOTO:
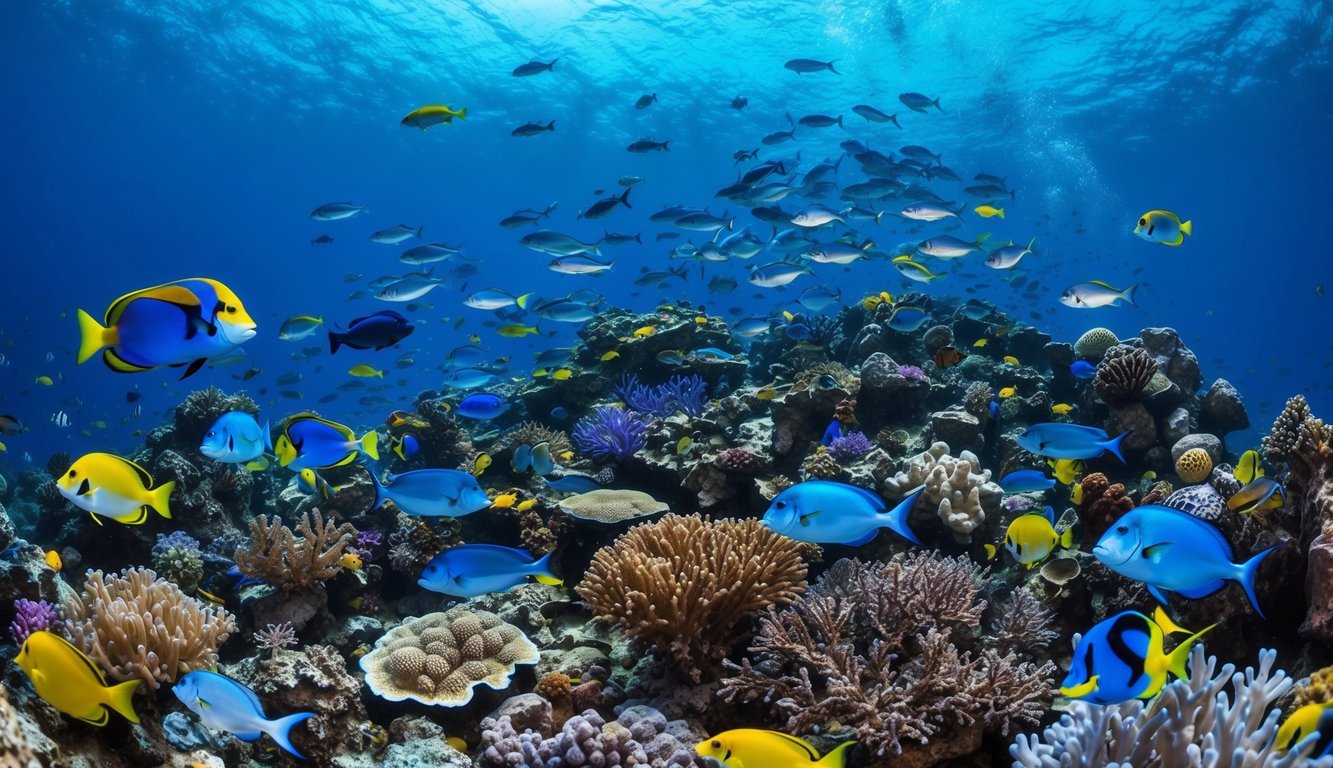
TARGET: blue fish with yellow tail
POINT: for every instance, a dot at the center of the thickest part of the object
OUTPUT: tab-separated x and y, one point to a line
471	570
1069	441
308	441
826	512
225	705
236	438
431	493
1124	657
71	682
180	324
1173	551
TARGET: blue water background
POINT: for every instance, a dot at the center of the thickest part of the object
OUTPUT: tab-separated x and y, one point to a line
149	141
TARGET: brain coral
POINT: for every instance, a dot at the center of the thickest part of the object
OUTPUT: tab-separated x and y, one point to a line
1093	344
1194	465
439	658
610	505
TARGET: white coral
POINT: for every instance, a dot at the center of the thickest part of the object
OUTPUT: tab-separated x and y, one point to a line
958	488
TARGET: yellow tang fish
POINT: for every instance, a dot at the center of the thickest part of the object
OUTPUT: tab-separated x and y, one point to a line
562	374
980	342
754	748
612	355
1010	360
53	560
525	505
645	332
1311	718
567	455
514	331
109	486
351	561
1008	392
986	211
701	320
1076	494
45	381
483	461
71	682
504	501
1061	409
1249	468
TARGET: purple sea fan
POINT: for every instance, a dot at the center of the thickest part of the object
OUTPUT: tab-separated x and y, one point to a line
611	432
275	636
32	616
850	447
911	373
688	394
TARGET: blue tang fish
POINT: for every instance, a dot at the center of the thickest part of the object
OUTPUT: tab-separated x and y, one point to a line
521	461
226	705
559	413
1026	481
1173	551
1124	657
470	570
1082	369
712	353
825	512
382	329
406	447
432	493
236	438
307	441
177	324
573	484
1069	441
833	432
482	406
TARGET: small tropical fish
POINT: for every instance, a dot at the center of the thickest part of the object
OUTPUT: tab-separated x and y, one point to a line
504	501
1076	494
832	432
1026	481
236	438
914	271
754	748
1007	392
363	371
1056	440
480	464
338	211
431	493
1010	360
1008	256
225	705
562	374
53	560
1061	409
482	406
60	419
1031	538
644	332
45	381
526	504
471	570
540	460
611	355
1082	369
1065	470
431	115
946	357
71	682
533	68
351	561
310	441
987	211
406	447
1123	657
928	212
1306	720
1163	227
1173	551
533	129
807	66
516	331
109	486
10	425
982	342
573	484
770	391
309	482
683	445
1249	468
777	274
377	331
1094	294
907	319
950	247
494	298
826	512
1259	495
918	102
875	115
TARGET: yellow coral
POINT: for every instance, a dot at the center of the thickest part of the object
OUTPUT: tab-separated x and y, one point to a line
1319	689
1194	465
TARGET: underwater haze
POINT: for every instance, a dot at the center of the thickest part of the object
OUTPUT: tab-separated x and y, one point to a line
1003	278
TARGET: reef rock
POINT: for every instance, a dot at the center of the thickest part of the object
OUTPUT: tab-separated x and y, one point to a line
1203	501
958	428
1222	409
1174	359
1175	426
1318	625
1134	419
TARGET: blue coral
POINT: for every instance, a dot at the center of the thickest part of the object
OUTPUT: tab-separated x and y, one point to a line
611	432
687	394
850	447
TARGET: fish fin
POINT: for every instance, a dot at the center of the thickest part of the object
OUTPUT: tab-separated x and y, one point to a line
244	735
121	698
991	551
1113	445
380	495
193	368
1156	552
838	756
1188	228
1176	661
93	336
335	341
1128	294
1067	537
281	730
138	519
1157	593
1247	574
1170	627
119	364
268	439
522	301
101	718
1179	239
897	517
96	518
866	539
160	496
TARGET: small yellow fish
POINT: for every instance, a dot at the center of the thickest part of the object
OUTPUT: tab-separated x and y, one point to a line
700	320
99	424
1060	409
483	461
1076	494
1010	360
788	316
362	649
612	355
514	331
73	683
1148	477
3	448
525	505
473	338
210	597
683	445
1008	392
1249	467
504	501
980	342
351	561
645	332
874	300
53	560
1066	471
986	211
363	371
567	455
540	373
562	374
45	381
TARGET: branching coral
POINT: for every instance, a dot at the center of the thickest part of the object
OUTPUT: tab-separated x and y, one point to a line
415	541
1122	378
290	561
137	626
957	488
689	586
871	647
1023	623
611	432
1191	723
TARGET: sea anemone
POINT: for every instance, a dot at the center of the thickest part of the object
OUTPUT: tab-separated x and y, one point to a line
850	447
611	432
32	616
911	373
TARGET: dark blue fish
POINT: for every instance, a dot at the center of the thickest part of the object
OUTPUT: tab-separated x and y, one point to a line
799	332
482	406
573	484
994	407
1082	369
833	432
1026	481
559	413
377	331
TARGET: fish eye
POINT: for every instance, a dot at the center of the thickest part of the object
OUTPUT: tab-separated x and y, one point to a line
1122	529
73	474
1143	221
231	310
781	505
716	744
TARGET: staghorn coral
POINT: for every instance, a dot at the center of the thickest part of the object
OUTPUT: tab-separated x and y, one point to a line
871	647
1191	723
1022	623
1093	344
533	433
1121	378
275	636
137	626
278	555
1194	466
440	658
957	488
688	586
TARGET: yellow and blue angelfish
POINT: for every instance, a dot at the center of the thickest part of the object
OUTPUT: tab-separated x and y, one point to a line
310	441
69	681
1124	657
1031	538
180	324
1163	227
755	748
1311	718
108	486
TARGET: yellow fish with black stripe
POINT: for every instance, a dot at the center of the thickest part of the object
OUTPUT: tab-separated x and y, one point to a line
1311	718
1249	468
105	485
1031	538
755	748
69	681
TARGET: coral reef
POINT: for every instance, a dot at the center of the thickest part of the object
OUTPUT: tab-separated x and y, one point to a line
612	433
441	657
850	447
689	586
137	626
1092	345
1103	503
1121	378
533	433
958	489
1194	465
640	736
415	541
278	555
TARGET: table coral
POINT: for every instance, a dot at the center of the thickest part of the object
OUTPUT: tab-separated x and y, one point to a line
959	490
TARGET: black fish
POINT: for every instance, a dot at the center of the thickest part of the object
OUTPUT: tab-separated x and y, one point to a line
377	331
322	240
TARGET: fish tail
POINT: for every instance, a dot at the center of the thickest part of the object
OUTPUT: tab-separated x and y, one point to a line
897	517
1114	446
281	730
1247	574
837	757
93	336
541	571
380	495
121	698
335	341
462	115
369	445
522	301
831	69
1188	228
550	126
936	102
624	199
268	437
1001	210
160	496
1128	294
1177	660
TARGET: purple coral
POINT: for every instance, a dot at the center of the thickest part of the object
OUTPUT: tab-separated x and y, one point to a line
275	637
32	616
688	394
612	432
911	373
1018	503
367	542
850	446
